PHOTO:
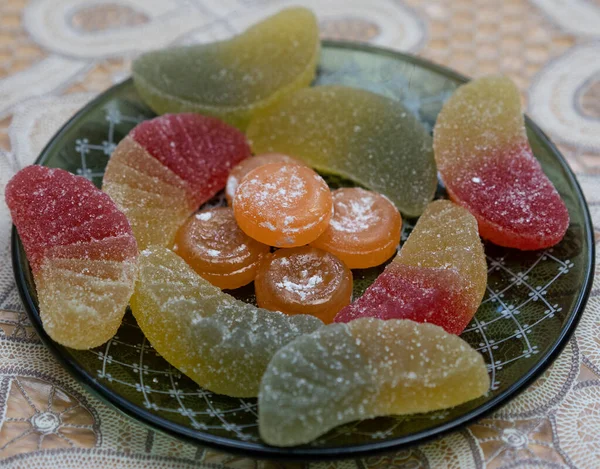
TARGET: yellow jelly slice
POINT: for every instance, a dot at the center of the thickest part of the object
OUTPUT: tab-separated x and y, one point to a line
223	344
446	237
234	78
147	192
89	295
370	139
364	369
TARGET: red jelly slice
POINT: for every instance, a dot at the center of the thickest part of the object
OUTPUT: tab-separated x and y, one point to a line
485	160
52	207
199	149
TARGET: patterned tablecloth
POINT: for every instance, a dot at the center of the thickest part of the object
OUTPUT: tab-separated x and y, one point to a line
55	55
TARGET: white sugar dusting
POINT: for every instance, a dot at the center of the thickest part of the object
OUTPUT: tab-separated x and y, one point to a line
302	288
204	216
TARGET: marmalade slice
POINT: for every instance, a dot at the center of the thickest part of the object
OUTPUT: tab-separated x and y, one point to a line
367	138
364	369
223	344
233	79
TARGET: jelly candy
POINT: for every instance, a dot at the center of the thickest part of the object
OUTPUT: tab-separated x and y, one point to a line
239	172
223	344
232	79
370	139
283	205
81	250
364	230
214	246
167	167
303	280
364	369
487	165
439	276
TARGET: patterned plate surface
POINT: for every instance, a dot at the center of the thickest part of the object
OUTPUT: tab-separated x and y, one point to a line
532	303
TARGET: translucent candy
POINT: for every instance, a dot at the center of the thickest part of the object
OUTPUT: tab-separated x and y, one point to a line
364	369
303	280
485	160
362	136
166	168
283	205
81	250
364	230
239	172
214	246
232	79
439	276
223	344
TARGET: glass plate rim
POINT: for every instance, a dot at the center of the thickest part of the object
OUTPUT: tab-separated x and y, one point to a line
258	450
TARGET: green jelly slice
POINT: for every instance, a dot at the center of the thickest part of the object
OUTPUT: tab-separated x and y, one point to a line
232	79
365	137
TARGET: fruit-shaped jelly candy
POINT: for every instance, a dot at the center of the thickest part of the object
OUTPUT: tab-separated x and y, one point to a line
234	78
364	369
223	344
370	139
364	230
167	167
81	250
214	246
303	280
239	172
283	205
438	277
487	165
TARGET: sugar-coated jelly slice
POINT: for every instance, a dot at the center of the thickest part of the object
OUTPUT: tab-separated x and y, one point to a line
81	250
214	246
223	344
365	137
364	369
167	167
487	165
283	205
239	172
303	280
364	230
439	276
234	78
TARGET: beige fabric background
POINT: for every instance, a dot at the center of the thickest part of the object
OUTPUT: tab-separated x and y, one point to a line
55	55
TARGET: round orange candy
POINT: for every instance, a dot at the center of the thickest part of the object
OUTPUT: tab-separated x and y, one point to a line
283	205
213	245
303	280
364	230
238	173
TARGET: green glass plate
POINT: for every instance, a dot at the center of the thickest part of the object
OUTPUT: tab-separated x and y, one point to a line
531	307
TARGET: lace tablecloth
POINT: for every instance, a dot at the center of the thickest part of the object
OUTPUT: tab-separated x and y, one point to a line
55	55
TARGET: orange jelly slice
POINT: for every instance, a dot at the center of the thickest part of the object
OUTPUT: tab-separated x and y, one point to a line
283	205
303	280
213	245
238	173
364	230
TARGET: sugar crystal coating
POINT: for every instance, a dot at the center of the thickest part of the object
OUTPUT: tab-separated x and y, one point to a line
364	369
283	204
234	78
167	167
365	137
239	172
303	280
364	230
214	246
439	275
223	344
81	250
488	166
